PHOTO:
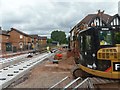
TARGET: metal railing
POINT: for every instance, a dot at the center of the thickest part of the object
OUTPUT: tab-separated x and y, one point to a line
74	84
71	83
55	85
85	84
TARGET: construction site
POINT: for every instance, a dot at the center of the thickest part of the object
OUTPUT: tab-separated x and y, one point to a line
44	71
76	48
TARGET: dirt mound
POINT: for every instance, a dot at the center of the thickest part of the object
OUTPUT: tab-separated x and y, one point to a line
65	64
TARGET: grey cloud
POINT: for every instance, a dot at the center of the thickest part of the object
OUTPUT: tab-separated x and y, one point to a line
42	18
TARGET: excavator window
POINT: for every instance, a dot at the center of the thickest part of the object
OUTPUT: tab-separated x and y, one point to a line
117	37
105	38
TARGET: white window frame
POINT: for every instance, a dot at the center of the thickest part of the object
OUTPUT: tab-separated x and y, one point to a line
21	36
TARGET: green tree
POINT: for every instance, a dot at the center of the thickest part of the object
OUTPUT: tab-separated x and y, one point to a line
49	40
59	36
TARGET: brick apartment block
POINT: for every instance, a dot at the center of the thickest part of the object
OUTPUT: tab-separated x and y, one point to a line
4	41
19	40
15	40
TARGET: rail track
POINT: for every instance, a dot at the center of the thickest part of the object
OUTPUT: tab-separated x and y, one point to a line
13	72
16	57
12	60
74	84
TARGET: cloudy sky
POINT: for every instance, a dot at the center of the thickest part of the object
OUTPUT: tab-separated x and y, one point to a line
43	16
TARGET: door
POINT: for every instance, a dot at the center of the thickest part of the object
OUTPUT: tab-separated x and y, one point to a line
8	47
87	49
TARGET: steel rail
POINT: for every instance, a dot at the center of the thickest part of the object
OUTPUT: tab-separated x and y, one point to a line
58	83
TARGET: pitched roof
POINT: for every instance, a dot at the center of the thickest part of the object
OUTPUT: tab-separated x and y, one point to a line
42	38
4	32
34	35
112	18
19	32
38	37
88	19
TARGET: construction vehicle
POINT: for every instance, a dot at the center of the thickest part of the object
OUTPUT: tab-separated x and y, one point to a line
97	52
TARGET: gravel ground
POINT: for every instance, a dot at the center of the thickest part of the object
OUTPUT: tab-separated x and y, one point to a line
111	86
47	74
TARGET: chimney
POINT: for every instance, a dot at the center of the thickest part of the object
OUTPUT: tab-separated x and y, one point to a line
13	28
100	12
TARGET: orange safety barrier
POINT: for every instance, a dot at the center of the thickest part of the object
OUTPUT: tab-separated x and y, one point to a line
58	56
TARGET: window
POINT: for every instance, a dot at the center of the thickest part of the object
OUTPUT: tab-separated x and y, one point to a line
105	37
21	45
21	36
7	38
81	43
88	42
117	37
85	42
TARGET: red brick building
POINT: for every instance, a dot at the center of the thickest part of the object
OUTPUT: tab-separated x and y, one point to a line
43	41
38	41
15	40
5	44
19	40
35	44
